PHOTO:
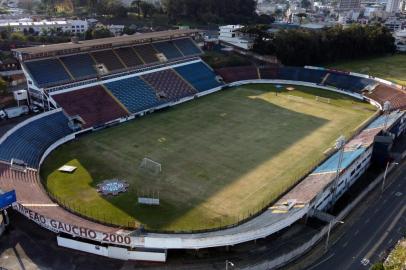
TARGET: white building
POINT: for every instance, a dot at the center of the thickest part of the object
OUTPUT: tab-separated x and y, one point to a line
116	29
28	25
394	24
400	40
78	26
231	34
392	6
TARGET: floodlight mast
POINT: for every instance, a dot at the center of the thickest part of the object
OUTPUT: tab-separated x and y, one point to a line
386	110
340	143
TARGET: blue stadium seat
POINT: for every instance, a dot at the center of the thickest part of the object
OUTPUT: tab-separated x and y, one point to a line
48	71
311	75
134	94
29	142
169	85
199	75
168	49
80	65
187	46
347	82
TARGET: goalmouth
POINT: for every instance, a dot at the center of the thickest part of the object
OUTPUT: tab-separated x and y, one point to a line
150	166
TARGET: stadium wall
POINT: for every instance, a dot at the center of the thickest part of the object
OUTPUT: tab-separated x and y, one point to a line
112	251
325	199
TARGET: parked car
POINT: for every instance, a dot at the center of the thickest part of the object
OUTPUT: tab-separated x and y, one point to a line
15	111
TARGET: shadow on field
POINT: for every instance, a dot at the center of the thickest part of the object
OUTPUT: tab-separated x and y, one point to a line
209	145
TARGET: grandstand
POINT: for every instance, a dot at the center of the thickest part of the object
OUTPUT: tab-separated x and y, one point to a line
40	71
93	104
109	59
199	75
134	93
147	53
129	57
382	93
233	74
168	49
80	65
29	141
168	85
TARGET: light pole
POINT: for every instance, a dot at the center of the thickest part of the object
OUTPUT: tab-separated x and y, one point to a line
340	143
385	173
331	223
228	263
386	109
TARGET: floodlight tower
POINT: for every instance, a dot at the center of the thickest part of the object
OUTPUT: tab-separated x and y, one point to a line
340	143
386	110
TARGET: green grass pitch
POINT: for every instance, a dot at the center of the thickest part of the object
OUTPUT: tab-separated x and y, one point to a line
392	67
223	156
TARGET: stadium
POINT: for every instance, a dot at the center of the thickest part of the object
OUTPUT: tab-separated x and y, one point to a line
143	147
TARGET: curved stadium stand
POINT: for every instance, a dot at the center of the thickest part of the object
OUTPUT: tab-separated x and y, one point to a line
93	104
347	82
233	74
383	93
28	142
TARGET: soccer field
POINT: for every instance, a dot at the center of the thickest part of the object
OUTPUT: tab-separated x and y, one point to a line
223	156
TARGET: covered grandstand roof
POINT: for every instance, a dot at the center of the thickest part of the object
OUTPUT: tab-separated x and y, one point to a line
103	42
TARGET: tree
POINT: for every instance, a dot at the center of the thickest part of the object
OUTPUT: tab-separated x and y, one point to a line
137	5
230	11
17	36
3	87
101	32
307	47
147	9
378	266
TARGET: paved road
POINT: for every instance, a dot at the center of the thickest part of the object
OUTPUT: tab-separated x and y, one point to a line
374	232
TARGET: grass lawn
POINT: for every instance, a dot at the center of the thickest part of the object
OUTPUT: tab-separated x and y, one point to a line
397	258
391	68
223	156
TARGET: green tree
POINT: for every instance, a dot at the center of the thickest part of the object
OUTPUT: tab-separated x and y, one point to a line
3	87
102	32
147	9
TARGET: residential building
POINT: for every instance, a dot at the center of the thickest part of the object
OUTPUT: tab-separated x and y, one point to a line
392	6
231	34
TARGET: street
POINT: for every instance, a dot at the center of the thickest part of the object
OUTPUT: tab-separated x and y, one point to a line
374	232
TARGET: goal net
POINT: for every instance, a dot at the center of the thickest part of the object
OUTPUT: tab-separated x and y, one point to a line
150	166
323	99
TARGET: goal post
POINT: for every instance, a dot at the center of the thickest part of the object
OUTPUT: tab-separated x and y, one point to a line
151	166
323	99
